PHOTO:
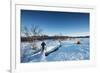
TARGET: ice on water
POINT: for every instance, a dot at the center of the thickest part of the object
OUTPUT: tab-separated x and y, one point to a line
67	52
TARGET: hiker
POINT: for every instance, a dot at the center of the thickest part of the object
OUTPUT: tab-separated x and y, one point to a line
43	58
43	46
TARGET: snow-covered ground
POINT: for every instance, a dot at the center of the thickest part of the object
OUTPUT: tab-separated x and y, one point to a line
68	51
71	51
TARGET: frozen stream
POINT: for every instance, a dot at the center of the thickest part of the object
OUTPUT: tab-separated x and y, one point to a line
68	51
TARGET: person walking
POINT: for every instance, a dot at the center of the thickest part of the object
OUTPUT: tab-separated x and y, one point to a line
43	44
43	58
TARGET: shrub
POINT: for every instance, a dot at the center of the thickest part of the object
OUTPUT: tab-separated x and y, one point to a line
78	42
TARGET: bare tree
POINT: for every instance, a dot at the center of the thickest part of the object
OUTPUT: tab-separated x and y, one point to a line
26	31
36	31
32	33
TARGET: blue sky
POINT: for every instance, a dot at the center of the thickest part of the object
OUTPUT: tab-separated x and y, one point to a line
55	23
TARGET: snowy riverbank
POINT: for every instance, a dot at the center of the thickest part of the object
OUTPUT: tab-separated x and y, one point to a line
68	51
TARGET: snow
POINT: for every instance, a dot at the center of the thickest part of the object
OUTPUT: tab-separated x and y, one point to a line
67	52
